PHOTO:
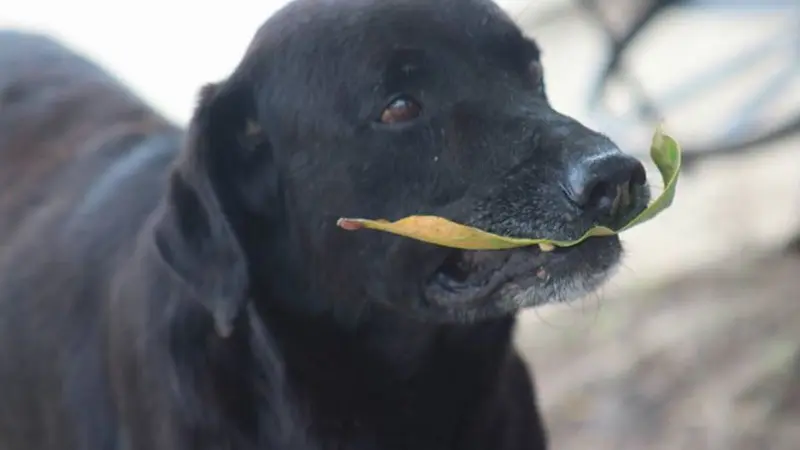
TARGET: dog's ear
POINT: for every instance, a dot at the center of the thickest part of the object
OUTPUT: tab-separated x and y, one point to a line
210	184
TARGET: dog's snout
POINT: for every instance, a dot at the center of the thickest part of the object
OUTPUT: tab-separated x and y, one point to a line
604	184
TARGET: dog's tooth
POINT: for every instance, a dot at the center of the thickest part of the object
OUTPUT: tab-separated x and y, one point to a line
546	247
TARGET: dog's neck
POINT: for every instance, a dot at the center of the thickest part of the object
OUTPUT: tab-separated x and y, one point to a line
387	363
393	343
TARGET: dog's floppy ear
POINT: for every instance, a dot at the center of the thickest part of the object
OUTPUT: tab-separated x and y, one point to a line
208	186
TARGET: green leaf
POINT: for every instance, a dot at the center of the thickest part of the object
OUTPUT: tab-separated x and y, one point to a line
664	151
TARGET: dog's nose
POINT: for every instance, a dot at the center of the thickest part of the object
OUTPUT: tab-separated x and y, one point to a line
603	184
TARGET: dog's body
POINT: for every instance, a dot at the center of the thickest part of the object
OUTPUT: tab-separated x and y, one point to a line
82	164
171	291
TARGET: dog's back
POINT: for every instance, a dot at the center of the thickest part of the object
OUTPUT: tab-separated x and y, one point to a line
82	164
58	111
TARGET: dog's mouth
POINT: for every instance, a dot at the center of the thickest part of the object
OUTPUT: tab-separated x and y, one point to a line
470	275
507	279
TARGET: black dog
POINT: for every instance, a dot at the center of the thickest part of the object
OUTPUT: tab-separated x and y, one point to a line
171	291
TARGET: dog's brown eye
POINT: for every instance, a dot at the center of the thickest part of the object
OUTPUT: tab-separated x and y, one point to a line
401	109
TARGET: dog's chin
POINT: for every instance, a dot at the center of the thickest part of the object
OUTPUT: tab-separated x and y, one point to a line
474	285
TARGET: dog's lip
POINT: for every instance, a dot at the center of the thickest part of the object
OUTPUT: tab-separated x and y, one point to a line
485	273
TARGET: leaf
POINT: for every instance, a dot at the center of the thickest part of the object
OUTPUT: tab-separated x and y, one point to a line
664	151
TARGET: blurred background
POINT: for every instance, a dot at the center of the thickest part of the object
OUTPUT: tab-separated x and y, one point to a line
695	344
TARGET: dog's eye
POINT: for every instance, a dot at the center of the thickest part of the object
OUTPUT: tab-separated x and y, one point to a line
401	109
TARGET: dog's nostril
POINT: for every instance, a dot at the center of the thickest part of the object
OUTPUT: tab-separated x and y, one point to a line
606	185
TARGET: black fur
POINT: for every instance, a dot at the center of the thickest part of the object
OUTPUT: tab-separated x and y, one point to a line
171	291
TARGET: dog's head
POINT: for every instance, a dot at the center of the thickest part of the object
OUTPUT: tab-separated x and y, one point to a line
383	109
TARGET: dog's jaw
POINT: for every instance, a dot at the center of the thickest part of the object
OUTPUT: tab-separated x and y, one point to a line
512	280
559	290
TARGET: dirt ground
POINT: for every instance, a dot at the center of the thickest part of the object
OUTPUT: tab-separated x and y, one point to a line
707	361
